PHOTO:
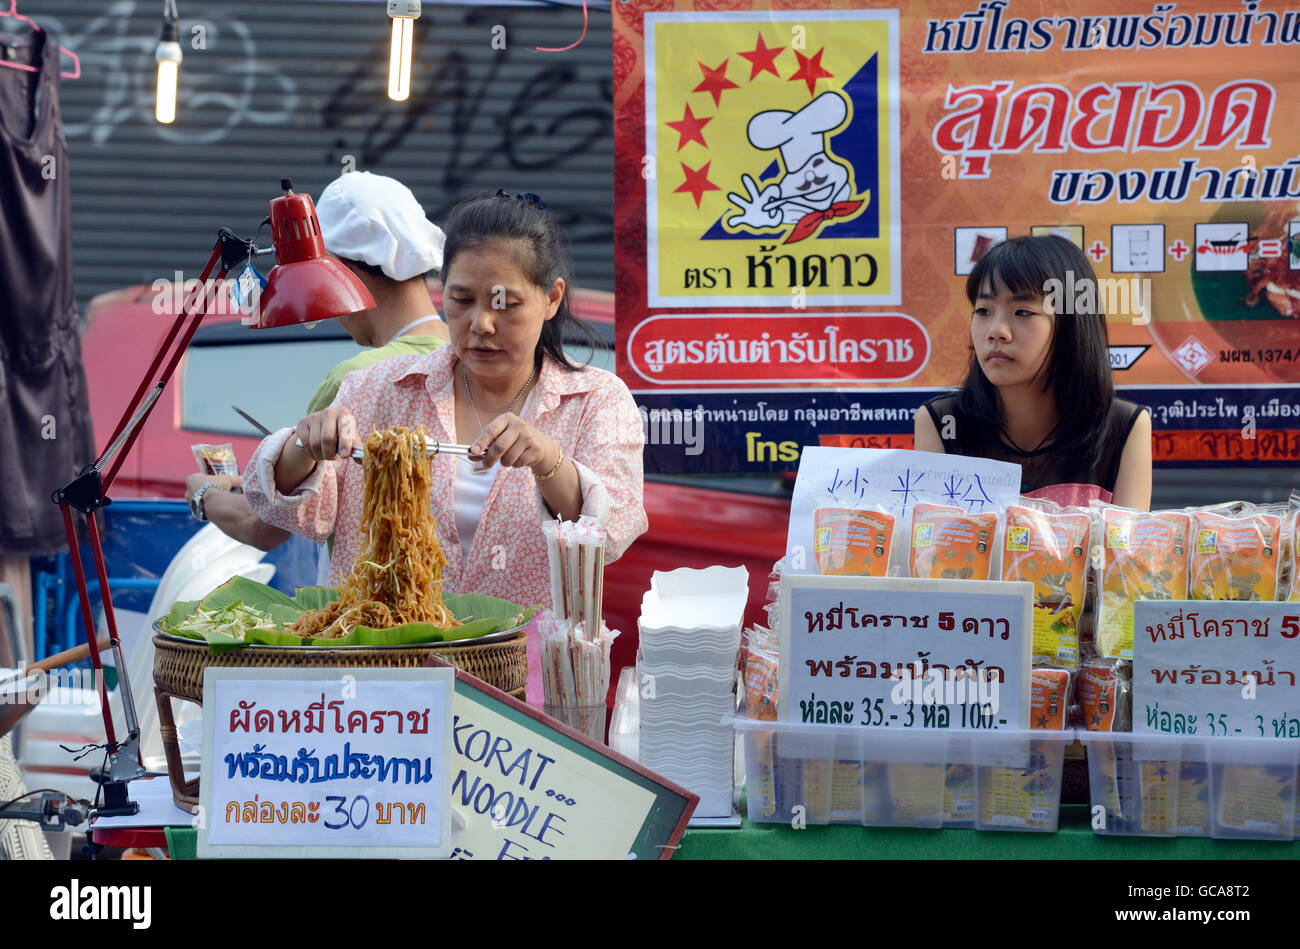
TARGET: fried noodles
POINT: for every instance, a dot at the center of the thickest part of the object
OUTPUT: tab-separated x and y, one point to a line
398	574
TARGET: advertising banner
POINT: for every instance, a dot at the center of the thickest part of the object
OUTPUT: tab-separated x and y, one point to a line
802	190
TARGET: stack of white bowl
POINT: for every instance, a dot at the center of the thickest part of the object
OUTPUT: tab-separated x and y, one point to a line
690	635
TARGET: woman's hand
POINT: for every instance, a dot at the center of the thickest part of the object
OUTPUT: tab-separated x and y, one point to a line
514	443
327	434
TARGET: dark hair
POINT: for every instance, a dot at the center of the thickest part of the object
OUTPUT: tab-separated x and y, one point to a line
1078	369
524	223
371	269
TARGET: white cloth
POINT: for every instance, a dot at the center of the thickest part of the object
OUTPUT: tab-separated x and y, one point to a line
471	494
376	220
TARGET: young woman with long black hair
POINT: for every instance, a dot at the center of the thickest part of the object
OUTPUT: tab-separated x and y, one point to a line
1039	391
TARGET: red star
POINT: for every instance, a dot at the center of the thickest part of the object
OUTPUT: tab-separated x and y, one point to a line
810	70
763	59
696	183
715	80
690	128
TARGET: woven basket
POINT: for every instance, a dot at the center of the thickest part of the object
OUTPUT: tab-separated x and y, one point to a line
179	663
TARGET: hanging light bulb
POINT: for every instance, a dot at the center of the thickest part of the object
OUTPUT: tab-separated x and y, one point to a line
168	55
404	14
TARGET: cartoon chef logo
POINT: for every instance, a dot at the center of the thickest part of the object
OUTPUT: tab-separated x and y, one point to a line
817	187
770	159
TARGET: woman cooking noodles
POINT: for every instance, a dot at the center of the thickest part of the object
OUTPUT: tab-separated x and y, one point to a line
551	439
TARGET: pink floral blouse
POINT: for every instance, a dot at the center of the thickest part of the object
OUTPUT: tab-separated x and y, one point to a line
590	414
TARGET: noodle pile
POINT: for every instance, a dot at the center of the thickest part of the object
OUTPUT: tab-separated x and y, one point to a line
399	570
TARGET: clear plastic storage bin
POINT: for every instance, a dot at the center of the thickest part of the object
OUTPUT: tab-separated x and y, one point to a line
847	774
1184	786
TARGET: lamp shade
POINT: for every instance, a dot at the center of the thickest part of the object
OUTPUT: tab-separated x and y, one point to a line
305	285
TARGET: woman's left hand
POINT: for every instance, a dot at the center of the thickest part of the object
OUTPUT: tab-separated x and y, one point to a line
514	443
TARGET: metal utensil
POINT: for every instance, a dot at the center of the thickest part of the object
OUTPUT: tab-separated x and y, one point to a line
252	421
431	448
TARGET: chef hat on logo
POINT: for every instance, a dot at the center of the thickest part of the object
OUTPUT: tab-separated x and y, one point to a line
799	135
376	220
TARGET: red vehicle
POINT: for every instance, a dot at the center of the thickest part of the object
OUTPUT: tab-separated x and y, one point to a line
695	521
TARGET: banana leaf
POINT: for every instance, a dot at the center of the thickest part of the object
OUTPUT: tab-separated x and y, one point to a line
283	609
315	598
475	606
481	615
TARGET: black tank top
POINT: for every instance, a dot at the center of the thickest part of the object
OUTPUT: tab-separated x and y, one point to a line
45	434
1044	466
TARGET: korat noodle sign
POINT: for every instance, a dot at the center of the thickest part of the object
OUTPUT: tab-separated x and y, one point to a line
1217	668
802	193
529	788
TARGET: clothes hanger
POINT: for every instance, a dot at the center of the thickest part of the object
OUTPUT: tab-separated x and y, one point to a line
13	12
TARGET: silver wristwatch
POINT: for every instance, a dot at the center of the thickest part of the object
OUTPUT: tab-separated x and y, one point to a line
196	502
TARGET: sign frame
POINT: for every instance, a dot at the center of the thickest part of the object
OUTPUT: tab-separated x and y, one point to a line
333	675
662	827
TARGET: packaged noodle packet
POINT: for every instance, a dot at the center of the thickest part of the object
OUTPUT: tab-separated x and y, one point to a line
950	544
1193	799
1143	557
1051	551
1234	558
1258	799
1291	540
959	795
853	542
1099	695
1029	797
216	459
1049	691
759	666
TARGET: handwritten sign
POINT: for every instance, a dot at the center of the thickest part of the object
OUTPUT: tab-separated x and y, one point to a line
902	653
530	788
895	481
1218	668
339	762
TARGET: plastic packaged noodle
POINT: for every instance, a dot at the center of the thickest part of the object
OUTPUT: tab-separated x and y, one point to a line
759	666
1257	799
1051	552
216	459
1099	692
1049	690
853	542
916	793
1143	557
959	795
947	543
1193	799
1158	790
1291	540
1026	797
1234	558
1099	695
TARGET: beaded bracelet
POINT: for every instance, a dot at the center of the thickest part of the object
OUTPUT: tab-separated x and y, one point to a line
551	473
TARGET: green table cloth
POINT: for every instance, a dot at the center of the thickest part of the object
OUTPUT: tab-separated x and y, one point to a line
1074	840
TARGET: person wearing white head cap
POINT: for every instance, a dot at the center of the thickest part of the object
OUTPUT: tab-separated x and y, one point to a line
377	229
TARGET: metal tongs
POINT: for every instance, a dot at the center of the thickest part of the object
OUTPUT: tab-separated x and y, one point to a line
431	448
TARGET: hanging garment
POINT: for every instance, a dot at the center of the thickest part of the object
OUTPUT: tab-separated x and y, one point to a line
45	429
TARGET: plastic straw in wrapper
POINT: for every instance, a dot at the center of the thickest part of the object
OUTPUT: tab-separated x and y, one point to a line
550	532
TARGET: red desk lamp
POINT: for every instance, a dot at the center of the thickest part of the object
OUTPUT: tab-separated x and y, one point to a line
304	286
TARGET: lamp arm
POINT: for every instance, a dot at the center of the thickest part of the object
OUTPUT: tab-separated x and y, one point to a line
89	492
